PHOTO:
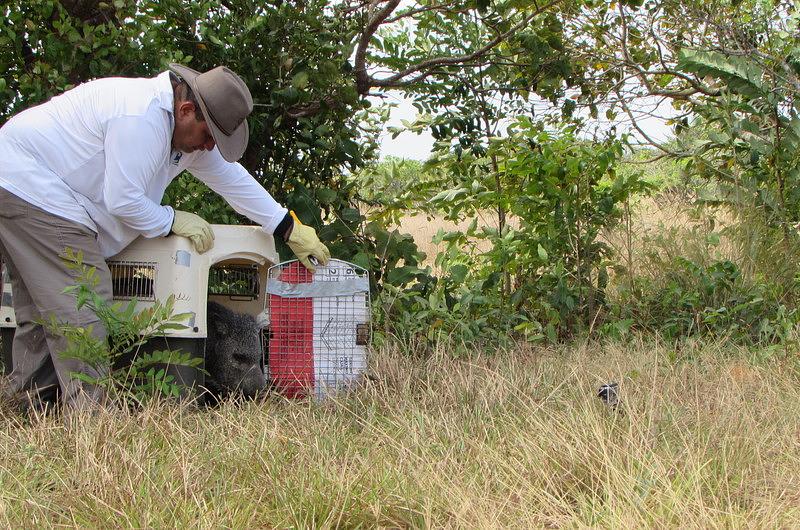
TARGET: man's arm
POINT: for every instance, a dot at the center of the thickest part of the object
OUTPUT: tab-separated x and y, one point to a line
249	198
241	190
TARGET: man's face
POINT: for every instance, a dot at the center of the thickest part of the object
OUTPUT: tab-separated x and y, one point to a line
190	134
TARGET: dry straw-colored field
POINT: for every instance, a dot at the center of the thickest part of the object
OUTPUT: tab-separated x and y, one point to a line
424	228
649	218
704	437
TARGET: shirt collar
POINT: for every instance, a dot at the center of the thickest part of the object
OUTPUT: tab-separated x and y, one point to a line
165	93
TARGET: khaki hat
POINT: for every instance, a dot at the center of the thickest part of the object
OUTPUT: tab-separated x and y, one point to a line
225	102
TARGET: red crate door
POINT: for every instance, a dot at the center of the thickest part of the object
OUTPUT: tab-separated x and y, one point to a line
291	345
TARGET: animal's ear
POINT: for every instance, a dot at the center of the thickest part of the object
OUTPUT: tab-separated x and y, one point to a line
216	318
220	326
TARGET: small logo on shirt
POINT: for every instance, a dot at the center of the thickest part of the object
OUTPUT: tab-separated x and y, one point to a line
176	158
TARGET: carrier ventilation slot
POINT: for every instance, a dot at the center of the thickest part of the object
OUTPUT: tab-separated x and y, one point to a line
133	279
234	280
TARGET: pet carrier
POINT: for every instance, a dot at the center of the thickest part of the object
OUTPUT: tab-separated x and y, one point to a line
232	273
318	327
7	321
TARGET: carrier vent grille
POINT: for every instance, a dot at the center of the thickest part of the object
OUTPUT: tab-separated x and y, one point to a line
234	280
133	279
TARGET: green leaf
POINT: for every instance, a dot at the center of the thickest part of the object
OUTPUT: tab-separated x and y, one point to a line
172	326
182	316
458	273
326	195
449	195
350	148
741	74
402	275
351	215
362	260
542	252
300	80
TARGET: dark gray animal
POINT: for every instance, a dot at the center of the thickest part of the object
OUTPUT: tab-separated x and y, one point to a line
233	354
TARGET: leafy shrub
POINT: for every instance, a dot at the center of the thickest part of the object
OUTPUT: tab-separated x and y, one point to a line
444	312
710	299
548	261
541	272
662	172
698	281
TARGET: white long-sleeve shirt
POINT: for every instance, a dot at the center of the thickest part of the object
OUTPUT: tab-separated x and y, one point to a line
100	155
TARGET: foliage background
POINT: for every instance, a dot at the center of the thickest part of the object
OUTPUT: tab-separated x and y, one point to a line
541	197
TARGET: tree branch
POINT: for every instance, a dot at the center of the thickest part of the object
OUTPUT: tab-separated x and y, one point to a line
312	108
373	23
644	135
643	74
397	80
412	12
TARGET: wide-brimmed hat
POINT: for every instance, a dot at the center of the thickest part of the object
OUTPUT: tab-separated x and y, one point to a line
225	101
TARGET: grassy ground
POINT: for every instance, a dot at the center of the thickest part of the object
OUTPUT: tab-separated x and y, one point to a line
706	436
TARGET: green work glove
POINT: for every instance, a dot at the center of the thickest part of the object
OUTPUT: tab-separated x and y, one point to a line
304	242
195	228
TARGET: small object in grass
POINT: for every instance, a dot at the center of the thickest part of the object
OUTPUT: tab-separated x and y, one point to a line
609	393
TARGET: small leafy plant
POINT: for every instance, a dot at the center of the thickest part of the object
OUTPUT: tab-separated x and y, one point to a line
145	377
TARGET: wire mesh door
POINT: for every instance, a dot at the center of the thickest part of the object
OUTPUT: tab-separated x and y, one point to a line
319	327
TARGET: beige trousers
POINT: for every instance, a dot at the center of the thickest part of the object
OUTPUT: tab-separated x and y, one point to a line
31	242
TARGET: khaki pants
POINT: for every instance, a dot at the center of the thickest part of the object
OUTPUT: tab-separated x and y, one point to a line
31	242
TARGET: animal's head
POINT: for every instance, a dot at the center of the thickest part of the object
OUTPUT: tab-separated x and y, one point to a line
233	353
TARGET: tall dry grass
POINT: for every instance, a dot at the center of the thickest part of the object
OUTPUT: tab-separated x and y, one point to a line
706	437
656	230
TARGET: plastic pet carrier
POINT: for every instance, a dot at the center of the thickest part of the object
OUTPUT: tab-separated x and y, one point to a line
316	326
7	321
233	273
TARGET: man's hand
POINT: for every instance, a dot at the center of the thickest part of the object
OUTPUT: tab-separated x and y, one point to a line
195	228
304	242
